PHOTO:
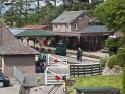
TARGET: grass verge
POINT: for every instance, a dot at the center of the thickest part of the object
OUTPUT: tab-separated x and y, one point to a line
111	80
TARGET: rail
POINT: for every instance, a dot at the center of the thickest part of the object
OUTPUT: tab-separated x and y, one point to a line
84	70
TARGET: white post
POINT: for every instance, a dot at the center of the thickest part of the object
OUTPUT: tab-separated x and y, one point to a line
2	64
48	60
46	76
69	70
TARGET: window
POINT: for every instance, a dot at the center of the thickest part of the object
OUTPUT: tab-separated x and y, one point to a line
76	27
67	26
55	26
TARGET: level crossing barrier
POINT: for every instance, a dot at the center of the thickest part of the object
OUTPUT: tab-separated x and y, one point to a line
51	60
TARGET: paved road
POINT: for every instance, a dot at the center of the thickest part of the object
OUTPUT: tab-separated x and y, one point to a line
10	90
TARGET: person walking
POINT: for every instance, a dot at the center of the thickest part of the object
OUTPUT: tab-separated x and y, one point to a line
79	54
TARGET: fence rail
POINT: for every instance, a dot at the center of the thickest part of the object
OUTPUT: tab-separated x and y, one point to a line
79	69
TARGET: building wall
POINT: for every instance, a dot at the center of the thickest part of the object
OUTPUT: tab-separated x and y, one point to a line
25	63
61	28
0	61
81	22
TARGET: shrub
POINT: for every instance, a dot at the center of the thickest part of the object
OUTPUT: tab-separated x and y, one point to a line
115	60
123	81
121	52
103	61
112	61
120	60
112	45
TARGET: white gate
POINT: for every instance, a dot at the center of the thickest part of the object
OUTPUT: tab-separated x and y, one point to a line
56	61
55	70
53	78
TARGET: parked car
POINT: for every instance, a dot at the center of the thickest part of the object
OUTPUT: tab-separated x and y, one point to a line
4	80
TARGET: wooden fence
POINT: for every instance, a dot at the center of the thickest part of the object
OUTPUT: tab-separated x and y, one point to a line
83	70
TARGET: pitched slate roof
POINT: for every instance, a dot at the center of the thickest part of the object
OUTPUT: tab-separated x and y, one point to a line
15	47
94	28
68	16
36	27
16	31
30	33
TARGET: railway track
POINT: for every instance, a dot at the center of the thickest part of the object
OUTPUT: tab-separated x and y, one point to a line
56	89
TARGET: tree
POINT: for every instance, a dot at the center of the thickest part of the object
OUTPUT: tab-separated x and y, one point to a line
112	45
112	12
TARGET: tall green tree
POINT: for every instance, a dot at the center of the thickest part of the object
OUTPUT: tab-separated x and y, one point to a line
112	13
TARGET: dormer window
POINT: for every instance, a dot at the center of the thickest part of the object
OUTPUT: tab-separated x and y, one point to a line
67	26
76	26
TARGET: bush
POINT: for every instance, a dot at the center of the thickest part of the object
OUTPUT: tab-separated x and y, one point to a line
120	60
115	60
112	45
121	52
112	61
103	61
123	81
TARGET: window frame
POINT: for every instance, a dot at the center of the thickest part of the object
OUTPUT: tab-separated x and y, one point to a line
67	25
76	26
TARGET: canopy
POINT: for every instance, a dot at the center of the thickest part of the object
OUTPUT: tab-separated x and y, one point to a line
33	33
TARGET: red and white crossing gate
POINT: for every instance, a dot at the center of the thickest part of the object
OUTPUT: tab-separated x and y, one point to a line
56	61
53	78
55	70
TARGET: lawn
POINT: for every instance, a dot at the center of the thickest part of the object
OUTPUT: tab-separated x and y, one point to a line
114	81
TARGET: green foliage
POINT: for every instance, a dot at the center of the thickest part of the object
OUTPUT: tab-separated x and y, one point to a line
111	12
112	45
103	61
122	41
115	60
20	12
121	52
112	61
2	20
123	81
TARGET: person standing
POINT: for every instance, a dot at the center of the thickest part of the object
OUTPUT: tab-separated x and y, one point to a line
79	54
42	60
